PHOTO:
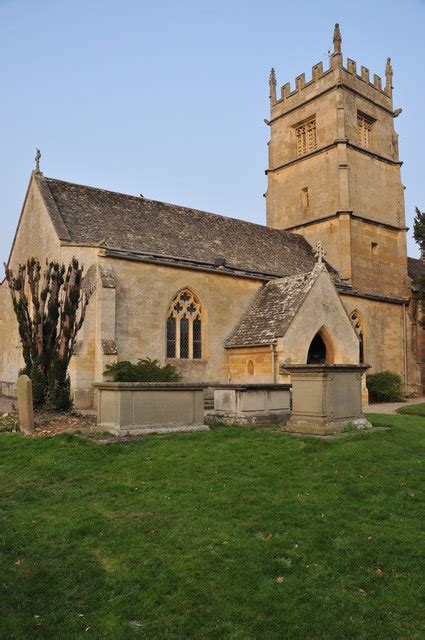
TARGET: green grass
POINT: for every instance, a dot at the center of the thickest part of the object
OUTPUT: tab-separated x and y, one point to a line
185	537
412	410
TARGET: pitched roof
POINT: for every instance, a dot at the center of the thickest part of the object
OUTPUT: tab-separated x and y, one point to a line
416	269
94	216
272	310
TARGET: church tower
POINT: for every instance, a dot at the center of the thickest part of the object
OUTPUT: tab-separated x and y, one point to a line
334	171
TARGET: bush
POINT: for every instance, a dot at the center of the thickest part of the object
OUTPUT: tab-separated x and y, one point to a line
145	370
384	387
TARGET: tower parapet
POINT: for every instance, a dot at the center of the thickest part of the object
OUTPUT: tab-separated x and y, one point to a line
326	79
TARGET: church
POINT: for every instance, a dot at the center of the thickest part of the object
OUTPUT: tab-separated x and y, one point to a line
327	279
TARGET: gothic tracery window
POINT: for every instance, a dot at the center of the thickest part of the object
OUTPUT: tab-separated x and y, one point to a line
358	323
306	137
184	326
364	128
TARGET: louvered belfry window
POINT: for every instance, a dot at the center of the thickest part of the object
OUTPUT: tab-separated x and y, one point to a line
184	327
364	128
306	137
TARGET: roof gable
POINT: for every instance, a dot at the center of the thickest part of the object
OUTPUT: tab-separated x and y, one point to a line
272	310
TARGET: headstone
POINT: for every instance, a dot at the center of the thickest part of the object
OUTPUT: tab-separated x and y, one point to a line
25	407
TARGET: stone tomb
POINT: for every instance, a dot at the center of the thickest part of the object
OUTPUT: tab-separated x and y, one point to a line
326	398
254	404
139	408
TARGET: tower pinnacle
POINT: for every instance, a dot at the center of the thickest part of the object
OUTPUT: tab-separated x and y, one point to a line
337	39
272	85
388	77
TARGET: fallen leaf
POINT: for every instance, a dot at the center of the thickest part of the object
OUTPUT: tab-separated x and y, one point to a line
18	561
280	579
268	536
379	573
363	592
369	538
410	494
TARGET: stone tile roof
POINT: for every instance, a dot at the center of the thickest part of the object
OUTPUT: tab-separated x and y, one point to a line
416	269
94	216
272	310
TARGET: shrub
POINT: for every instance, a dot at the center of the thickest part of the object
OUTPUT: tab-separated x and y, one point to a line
384	387
145	370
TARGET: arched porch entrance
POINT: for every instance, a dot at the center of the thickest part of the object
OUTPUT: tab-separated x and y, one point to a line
322	349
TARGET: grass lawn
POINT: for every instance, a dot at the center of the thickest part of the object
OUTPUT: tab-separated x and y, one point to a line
229	535
413	410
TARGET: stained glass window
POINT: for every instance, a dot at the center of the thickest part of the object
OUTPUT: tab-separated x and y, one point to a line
184	327
197	338
358	323
171	337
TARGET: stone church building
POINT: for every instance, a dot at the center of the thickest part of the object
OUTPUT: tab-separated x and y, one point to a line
226	300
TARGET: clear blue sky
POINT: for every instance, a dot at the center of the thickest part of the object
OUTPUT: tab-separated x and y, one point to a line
167	98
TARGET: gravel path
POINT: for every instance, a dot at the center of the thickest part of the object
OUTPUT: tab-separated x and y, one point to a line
390	407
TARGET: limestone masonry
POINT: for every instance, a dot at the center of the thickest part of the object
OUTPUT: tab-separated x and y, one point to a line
225	300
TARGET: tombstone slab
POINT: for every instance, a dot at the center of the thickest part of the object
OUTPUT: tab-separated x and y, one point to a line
25	406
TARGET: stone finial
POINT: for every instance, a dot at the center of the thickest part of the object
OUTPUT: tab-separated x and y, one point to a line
272	85
319	252
37	160
337	39
388	77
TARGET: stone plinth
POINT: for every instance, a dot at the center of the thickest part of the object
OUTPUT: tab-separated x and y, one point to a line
325	398
260	404
138	408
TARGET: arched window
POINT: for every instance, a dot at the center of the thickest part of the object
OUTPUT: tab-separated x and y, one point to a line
358	322
184	326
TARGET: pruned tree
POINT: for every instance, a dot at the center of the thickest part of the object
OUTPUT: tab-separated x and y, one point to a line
419	235
50	308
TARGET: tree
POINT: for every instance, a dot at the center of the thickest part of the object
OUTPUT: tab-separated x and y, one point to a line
419	228
419	235
50	309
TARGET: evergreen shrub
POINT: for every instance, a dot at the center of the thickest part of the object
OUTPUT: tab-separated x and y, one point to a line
145	370
384	387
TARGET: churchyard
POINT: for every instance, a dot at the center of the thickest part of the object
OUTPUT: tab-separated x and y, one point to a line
232	533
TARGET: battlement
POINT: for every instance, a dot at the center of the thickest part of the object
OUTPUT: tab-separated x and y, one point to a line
336	73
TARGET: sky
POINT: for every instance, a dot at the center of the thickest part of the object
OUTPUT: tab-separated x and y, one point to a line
168	98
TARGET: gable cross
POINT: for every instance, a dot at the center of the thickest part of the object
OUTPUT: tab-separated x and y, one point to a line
37	160
319	252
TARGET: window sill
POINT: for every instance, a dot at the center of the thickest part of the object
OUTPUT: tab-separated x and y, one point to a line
181	361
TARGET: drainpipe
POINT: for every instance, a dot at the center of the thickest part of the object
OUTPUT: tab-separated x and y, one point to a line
405	347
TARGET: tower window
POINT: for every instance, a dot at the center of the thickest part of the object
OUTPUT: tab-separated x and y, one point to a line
374	248
364	128
306	137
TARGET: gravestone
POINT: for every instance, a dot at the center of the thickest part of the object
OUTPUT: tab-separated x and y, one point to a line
25	407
